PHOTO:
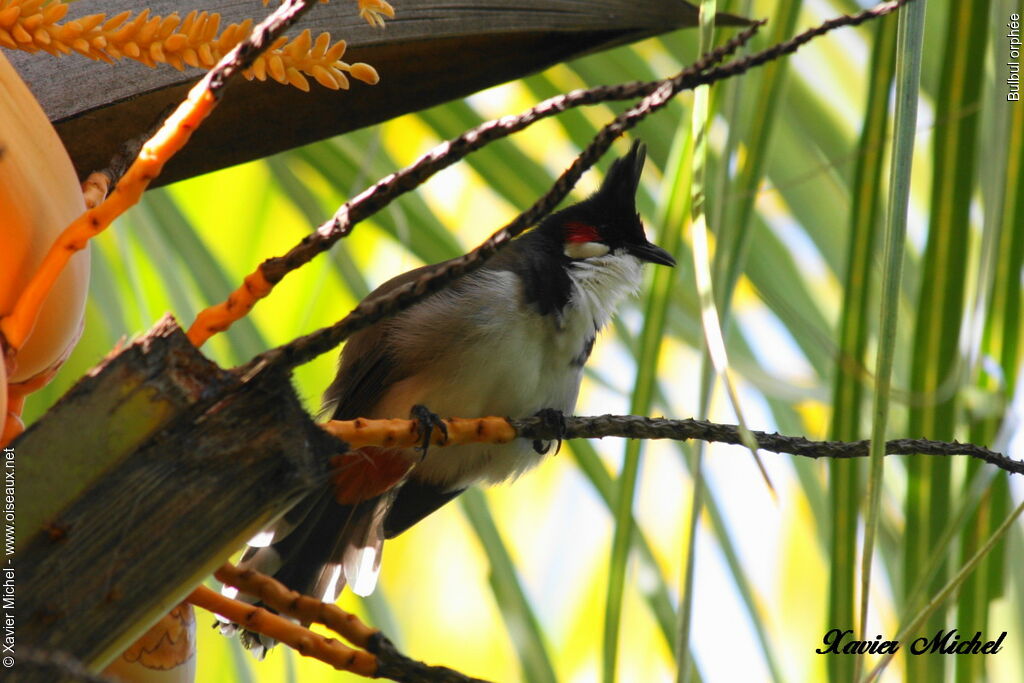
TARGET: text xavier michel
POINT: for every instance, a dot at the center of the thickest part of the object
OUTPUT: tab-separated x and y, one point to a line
943	642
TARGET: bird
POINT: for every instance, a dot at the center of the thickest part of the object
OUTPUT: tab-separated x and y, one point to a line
510	339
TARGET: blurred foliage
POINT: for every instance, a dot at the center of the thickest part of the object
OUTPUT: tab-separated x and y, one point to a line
511	584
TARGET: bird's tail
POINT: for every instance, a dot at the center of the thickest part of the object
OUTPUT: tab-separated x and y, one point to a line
330	545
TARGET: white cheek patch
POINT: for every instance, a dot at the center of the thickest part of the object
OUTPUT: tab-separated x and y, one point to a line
579	250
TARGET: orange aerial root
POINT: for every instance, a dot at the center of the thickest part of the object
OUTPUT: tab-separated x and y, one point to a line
12	428
307	643
307	610
405	433
175	132
14	395
219	317
376	461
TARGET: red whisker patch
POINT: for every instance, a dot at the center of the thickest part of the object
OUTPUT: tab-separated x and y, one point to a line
578	232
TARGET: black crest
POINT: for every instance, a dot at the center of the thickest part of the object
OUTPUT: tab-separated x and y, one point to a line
608	216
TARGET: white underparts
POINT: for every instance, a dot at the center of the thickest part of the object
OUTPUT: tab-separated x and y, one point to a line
493	354
600	283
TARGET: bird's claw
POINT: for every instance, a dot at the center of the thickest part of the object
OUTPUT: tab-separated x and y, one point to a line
427	421
553	419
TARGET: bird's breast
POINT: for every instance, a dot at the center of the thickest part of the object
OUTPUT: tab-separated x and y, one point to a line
488	354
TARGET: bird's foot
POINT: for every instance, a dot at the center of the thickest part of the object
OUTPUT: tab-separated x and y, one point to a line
553	419
427	421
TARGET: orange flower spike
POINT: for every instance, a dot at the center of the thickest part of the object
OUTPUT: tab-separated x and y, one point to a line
190	57
211	26
31	25
341	78
9	16
336	51
206	55
156	52
322	44
300	46
91	21
148	31
130	29
113	22
176	42
259	69
20	34
325	77
42	37
374	11
276	68
365	73
32	21
99	43
296	79
16	394
168	25
360	433
54	12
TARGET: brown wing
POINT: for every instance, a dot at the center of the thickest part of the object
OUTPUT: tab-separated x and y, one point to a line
367	366
368	363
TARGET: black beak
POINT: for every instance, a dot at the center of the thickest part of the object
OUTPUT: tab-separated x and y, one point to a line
651	253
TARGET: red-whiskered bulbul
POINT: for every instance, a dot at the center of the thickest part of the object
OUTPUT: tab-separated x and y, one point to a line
508	339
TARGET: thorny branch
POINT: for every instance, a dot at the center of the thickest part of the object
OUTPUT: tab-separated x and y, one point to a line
260	282
447	153
378	658
405	433
634	427
658	93
306	348
386	190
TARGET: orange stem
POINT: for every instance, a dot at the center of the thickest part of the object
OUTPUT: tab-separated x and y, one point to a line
219	317
291	603
17	326
307	643
404	433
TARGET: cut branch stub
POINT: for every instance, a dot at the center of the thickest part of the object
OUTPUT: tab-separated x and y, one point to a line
141	481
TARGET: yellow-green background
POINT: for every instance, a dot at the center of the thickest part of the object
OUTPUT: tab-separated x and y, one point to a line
523	598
